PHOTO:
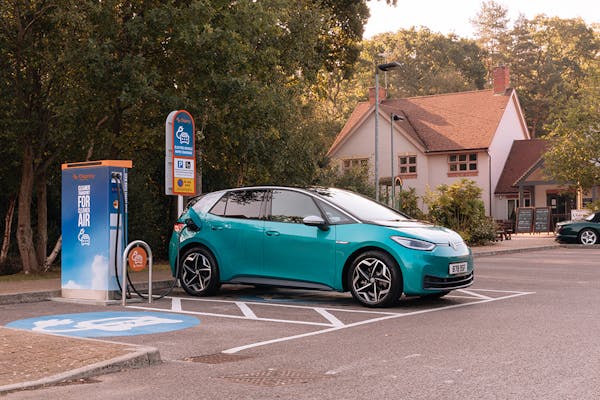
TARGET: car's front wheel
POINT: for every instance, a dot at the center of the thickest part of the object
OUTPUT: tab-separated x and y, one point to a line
375	279
588	237
199	272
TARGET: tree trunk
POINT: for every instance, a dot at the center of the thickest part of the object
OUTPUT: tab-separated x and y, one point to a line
52	257
24	231
7	230
42	218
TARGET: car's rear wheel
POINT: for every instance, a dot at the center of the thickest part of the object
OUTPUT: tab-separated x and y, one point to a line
375	279
199	272
588	237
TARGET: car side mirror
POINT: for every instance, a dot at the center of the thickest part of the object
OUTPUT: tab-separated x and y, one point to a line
313	220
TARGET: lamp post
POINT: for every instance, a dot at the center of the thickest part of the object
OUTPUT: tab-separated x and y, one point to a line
393	117
380	67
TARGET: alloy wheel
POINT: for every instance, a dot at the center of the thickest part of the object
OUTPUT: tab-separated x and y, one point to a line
197	273
372	280
588	237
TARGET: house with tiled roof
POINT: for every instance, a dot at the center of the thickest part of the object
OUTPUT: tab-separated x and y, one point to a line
434	140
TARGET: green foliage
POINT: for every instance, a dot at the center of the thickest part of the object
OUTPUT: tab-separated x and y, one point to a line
575	138
356	179
459	207
88	79
408	203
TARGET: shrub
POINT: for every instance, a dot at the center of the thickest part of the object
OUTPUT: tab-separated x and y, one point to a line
460	208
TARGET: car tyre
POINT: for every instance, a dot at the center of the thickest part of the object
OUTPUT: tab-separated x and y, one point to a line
375	279
588	237
199	272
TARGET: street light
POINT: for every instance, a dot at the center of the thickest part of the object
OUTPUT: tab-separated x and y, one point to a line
393	117
380	67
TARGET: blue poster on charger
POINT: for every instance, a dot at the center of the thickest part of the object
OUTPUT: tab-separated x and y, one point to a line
94	221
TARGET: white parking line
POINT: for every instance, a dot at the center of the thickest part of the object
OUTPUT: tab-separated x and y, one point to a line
329	317
287	338
333	323
479	296
248	313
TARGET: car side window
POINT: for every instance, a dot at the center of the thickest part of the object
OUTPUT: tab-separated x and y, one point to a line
292	207
244	204
203	203
335	216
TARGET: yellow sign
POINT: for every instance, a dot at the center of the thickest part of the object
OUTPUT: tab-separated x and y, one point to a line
184	186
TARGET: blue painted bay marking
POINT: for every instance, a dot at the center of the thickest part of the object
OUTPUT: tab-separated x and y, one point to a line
104	324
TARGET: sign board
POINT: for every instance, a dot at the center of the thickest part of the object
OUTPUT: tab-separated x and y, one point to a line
524	219
137	259
578	215
542	219
180	154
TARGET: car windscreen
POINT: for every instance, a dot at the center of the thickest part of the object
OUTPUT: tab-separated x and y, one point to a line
361	207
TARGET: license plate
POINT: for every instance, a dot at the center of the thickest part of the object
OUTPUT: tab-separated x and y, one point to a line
457	268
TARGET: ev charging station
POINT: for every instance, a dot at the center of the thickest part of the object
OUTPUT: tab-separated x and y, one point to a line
94	228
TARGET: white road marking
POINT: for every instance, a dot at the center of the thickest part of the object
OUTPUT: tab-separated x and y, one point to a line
329	317
246	310
176	304
334	323
369	321
479	296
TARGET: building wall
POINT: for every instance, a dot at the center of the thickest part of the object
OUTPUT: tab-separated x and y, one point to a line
432	169
509	130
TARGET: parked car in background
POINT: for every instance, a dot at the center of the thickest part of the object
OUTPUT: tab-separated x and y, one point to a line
314	238
585	232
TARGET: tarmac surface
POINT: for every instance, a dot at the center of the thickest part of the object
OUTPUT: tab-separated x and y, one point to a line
29	360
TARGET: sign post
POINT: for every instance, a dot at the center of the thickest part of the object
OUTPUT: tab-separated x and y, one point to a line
180	156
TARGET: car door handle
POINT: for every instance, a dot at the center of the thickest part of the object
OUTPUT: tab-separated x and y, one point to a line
272	233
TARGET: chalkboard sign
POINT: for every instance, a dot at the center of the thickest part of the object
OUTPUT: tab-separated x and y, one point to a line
542	219
524	219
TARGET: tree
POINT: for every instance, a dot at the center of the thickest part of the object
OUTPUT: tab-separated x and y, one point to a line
574	157
431	63
31	35
554	57
491	30
90	79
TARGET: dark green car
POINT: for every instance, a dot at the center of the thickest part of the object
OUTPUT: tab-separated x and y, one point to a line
586	232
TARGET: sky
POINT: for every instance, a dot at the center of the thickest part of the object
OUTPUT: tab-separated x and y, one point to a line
452	16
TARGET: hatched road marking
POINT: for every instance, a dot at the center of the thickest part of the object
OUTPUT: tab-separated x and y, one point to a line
332	317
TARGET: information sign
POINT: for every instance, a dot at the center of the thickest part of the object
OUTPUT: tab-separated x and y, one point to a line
180	154
542	219
524	219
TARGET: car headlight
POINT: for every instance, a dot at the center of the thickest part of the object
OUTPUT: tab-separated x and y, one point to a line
414	244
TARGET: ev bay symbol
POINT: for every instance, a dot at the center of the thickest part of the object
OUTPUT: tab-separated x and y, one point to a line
103	324
183	136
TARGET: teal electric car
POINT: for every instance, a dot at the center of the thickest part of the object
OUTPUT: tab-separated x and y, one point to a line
314	238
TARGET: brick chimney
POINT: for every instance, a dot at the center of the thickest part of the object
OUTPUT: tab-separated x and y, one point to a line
501	77
382	94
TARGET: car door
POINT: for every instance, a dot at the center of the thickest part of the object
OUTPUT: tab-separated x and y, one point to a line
237	232
294	251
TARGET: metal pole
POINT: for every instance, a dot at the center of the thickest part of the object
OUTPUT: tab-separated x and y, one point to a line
376	133
392	160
